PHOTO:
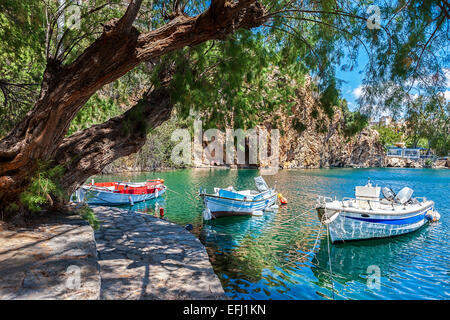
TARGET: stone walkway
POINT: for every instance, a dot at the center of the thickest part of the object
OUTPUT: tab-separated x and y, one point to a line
142	257
56	259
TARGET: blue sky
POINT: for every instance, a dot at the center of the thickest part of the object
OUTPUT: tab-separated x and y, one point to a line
352	81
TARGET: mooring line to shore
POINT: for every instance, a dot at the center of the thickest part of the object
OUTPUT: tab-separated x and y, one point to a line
314	248
188	194
315	243
297	216
329	262
174	191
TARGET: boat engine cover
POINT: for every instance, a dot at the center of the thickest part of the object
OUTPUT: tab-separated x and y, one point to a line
388	193
404	195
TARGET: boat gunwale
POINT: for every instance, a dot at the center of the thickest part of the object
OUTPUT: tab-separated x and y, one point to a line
90	188
426	206
241	200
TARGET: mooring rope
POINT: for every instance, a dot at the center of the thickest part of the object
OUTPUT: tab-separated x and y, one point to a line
329	261
298	259
167	188
315	244
297	216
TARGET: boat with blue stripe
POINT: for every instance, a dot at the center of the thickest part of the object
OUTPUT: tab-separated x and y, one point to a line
230	202
368	216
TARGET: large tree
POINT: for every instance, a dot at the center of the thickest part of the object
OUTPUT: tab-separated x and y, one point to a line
311	36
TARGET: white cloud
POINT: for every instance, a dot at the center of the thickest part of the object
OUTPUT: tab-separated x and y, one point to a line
357	92
447	95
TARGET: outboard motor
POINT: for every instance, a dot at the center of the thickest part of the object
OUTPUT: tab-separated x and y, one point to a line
388	193
404	195
261	185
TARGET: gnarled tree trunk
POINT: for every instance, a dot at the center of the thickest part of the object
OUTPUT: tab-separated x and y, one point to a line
66	88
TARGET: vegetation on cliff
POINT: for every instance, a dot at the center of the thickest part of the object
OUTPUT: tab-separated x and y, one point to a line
426	124
190	56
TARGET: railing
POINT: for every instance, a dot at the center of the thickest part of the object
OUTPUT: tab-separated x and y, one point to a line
404	153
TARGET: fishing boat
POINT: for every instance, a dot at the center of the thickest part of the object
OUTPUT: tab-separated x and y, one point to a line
118	193
230	202
368	216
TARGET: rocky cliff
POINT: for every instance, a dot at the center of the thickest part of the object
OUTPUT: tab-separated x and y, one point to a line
308	139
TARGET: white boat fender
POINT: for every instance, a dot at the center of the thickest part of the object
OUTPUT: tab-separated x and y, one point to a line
432	215
257	213
156	193
131	200
207	214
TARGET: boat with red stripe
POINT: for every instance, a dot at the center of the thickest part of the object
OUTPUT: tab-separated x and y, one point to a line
118	193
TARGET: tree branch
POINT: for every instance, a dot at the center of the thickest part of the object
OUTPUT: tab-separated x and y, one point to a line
126	22
87	152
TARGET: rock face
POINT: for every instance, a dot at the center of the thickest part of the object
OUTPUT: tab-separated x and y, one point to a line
311	149
309	139
395	162
55	260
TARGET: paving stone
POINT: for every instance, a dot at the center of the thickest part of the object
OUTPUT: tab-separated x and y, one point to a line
45	262
132	256
151	264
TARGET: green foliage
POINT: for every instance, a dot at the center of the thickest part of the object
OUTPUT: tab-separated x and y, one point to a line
428	123
230	82
354	122
12	208
88	214
298	125
409	55
156	153
314	113
389	135
329	99
96	110
43	188
22	60
321	126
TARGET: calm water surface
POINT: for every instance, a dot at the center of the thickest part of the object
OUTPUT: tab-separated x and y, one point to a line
267	257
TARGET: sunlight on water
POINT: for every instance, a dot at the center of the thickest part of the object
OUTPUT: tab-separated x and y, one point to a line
270	257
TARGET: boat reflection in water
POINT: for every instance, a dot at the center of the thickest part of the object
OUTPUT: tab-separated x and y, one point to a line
356	265
230	231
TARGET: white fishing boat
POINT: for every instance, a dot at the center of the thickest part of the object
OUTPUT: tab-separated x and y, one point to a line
367	216
230	202
118	193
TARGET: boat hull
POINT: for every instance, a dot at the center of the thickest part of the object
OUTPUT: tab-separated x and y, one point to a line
100	197
355	226
221	207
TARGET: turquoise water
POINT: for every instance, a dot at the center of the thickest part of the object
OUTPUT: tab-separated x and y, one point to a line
267	257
